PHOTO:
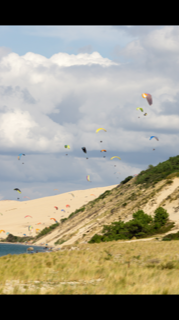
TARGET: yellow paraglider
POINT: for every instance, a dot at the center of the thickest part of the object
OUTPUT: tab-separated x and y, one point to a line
100	129
115	157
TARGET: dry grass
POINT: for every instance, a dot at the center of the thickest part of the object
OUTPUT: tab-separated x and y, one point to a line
149	267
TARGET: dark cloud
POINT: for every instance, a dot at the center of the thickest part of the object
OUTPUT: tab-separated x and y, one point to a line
69	110
28	97
10	91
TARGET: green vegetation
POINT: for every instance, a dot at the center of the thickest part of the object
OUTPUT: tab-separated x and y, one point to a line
63	220
12	238
46	230
165	170
126	179
141	226
78	210
60	241
171	236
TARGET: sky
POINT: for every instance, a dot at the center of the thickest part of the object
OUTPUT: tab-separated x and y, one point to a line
58	84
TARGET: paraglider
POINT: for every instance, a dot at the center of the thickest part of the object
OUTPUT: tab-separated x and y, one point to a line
84	150
24	234
100	129
103	150
145	114
153	149
67	206
154	137
88	178
148	97
39	223
26	197
2	231
54	219
27	216
139	109
63	210
16	189
104	157
1	214
115	157
56	189
72	194
30	228
19	156
37	230
56	208
100	141
68	147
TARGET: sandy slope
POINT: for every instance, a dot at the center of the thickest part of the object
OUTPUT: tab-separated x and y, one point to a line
13	219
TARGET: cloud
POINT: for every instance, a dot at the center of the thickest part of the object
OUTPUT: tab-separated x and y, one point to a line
47	103
4	51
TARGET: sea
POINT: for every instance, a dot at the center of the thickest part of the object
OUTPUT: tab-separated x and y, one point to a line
8	248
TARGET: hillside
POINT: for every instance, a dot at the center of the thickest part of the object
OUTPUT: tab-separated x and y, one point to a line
154	187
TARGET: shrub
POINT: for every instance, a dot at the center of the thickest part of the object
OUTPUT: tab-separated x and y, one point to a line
141	226
161	216
141	216
126	179
63	220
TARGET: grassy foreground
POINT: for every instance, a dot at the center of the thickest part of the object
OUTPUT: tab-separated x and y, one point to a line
143	267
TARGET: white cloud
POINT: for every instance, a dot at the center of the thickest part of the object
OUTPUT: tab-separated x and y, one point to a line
47	103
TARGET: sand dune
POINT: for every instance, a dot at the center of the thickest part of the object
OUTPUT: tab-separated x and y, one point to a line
42	210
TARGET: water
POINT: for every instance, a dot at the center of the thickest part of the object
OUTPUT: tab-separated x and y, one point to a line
6	248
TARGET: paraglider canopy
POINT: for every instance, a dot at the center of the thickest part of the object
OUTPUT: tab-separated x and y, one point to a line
56	208
100	129
100	141
72	194
88	178
16	189
84	150
154	137
148	97
145	114
19	156
139	109
67	146
115	157
103	150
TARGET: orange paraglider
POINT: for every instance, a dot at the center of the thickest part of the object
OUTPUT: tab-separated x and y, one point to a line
27	216
67	206
56	208
148	97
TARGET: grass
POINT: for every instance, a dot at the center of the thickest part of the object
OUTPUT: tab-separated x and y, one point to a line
149	267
